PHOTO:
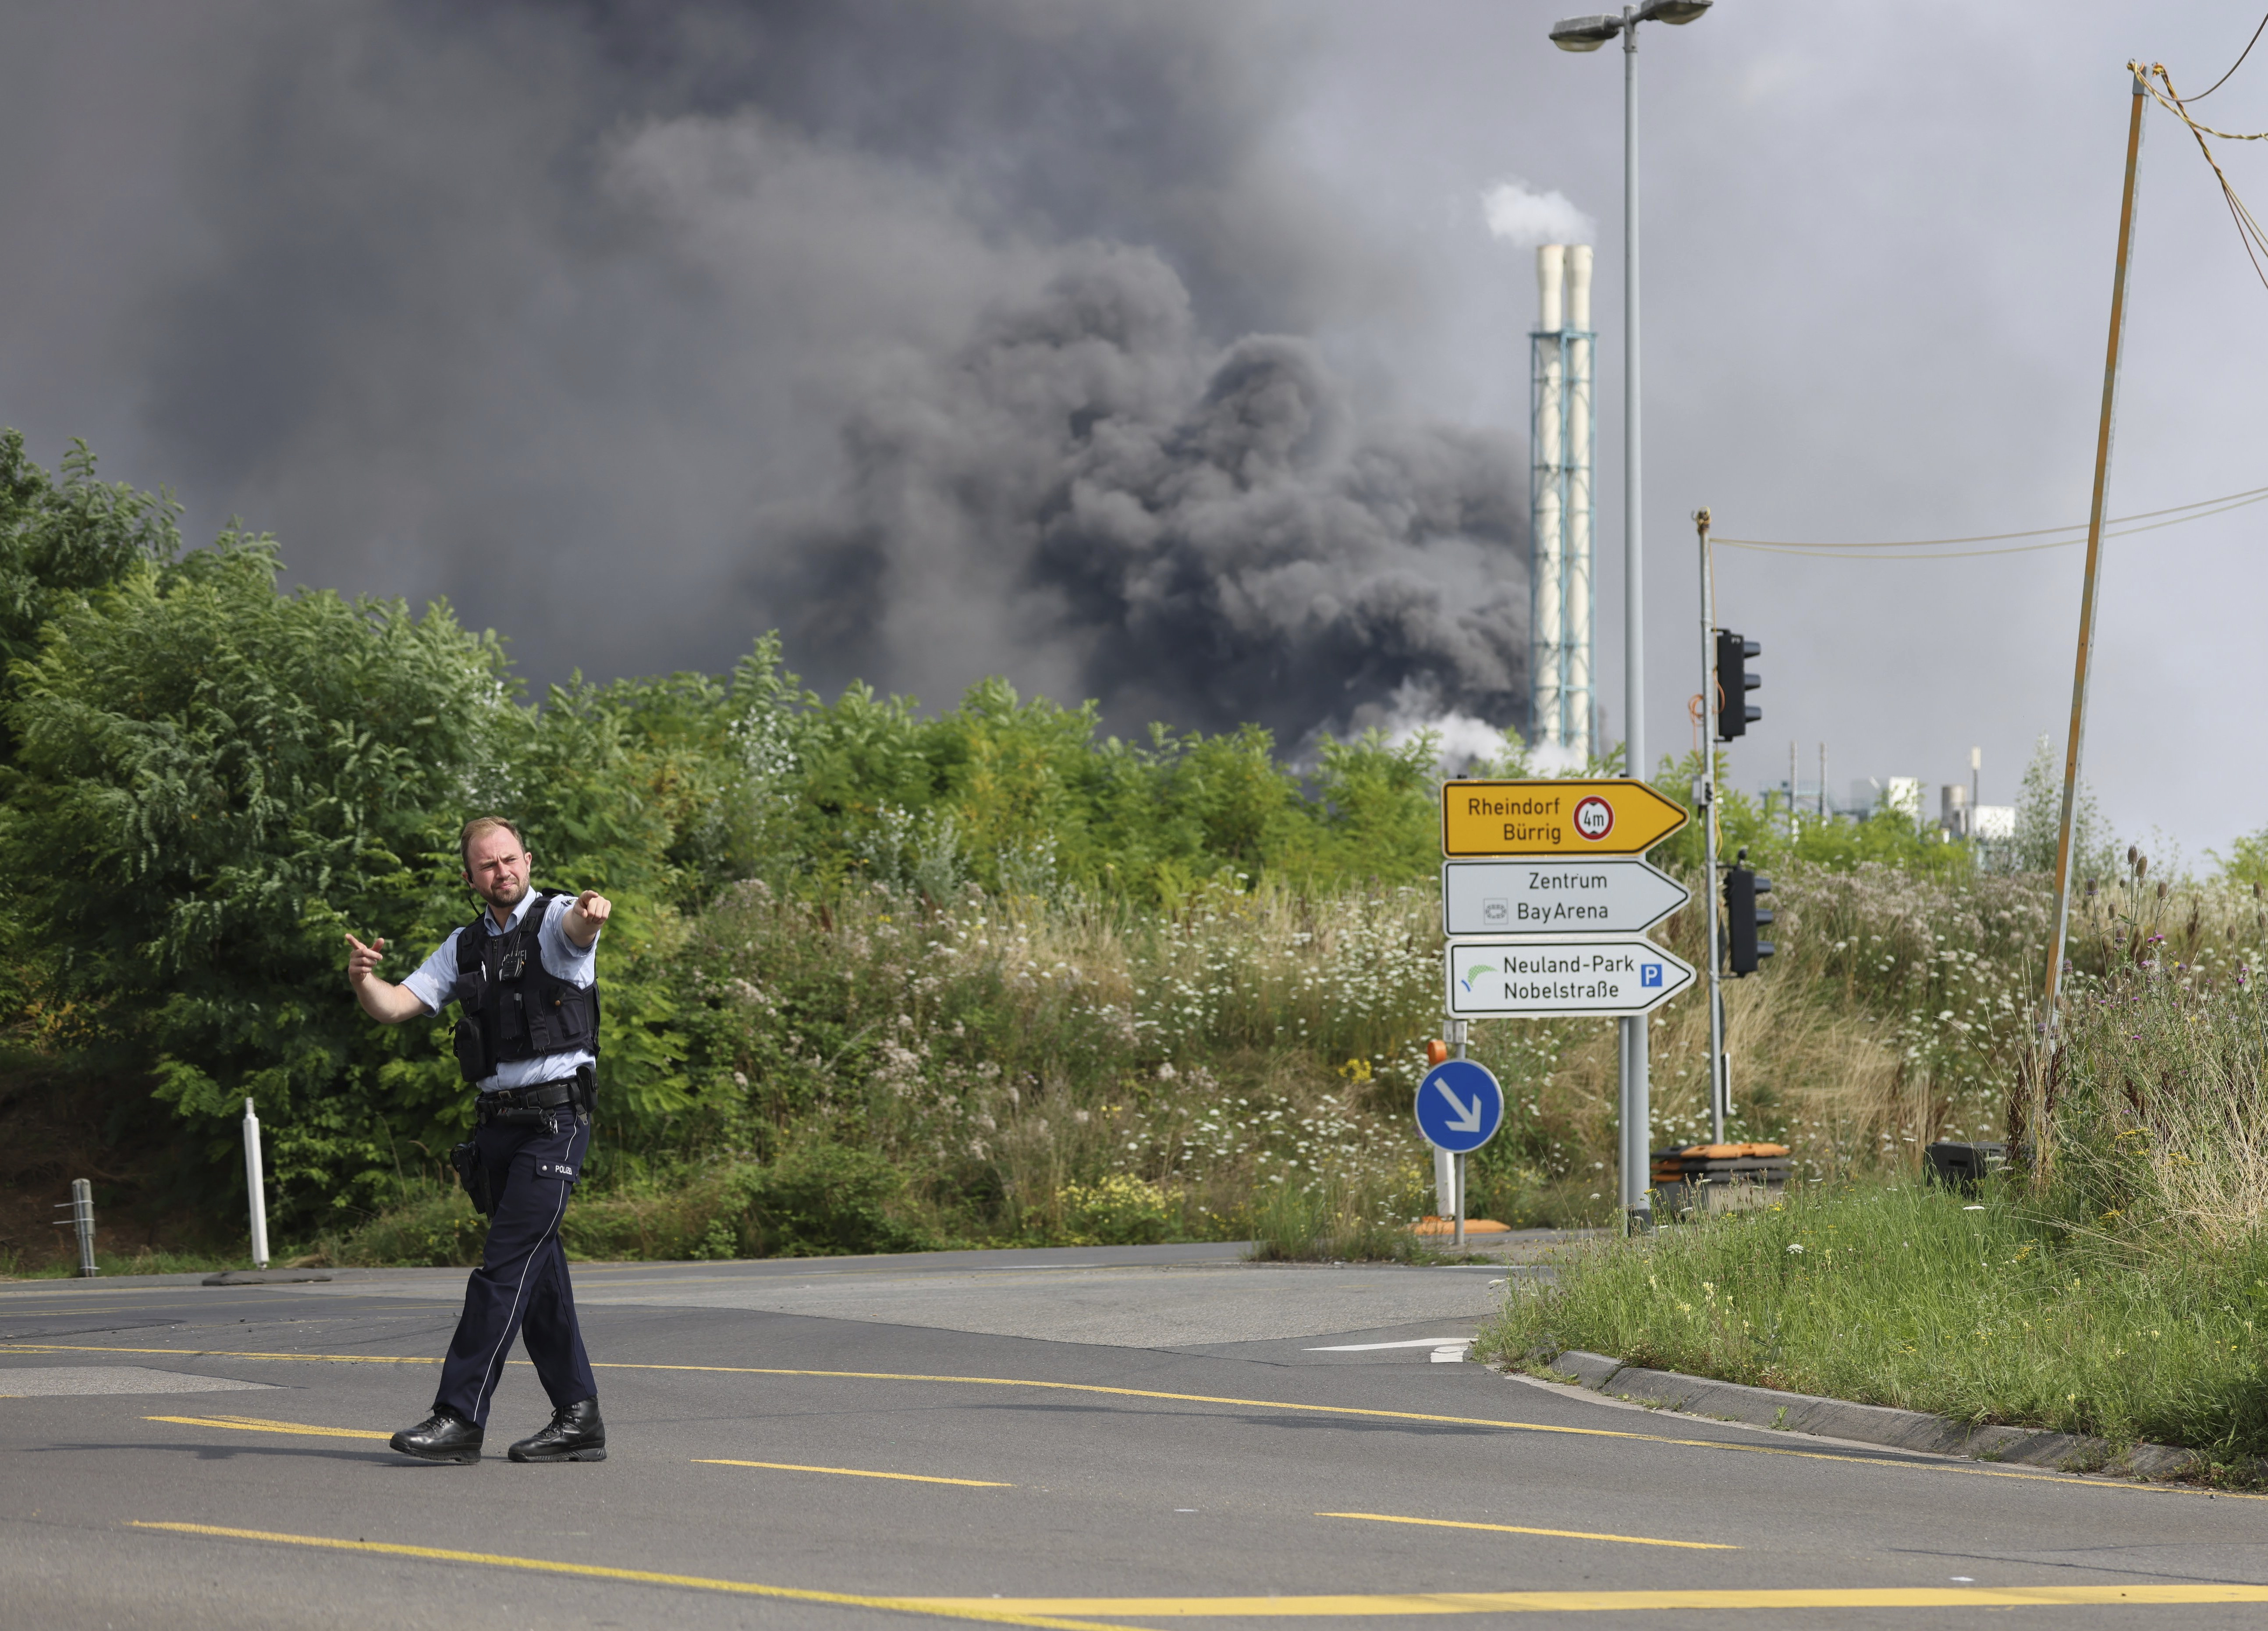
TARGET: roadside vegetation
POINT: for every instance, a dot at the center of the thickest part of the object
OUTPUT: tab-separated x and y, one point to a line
2113	1282
1986	1309
882	977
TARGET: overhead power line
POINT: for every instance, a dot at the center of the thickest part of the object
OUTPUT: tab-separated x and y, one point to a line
2254	240
2179	513
2248	229
2233	66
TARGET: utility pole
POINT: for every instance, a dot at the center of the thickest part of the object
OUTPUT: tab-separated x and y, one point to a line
2059	918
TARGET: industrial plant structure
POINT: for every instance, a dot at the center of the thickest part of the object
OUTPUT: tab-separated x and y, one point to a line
1560	438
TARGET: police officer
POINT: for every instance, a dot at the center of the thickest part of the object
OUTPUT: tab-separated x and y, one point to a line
525	971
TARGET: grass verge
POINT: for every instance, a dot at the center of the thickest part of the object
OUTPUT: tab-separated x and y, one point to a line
115	1263
1915	1298
1335	1220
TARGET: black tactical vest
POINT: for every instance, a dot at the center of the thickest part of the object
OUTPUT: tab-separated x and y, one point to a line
515	1008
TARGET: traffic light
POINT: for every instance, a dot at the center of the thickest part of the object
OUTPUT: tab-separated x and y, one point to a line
1735	711
1743	951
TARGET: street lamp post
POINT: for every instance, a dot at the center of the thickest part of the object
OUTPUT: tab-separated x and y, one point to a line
1588	34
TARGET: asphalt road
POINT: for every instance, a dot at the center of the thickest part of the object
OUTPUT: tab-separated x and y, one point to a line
1130	1437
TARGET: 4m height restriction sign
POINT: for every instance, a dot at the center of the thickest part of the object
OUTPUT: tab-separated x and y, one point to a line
1612	815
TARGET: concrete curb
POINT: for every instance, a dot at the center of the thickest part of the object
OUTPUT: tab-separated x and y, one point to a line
1874	1424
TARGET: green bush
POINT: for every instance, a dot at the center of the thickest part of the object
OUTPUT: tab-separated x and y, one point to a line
209	781
821	1199
1117	1210
431	1227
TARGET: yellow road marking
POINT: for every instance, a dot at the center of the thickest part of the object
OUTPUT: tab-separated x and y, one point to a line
1074	1614
254	1424
911	1477
981	1608
1371	1606
1516	1529
1884	1460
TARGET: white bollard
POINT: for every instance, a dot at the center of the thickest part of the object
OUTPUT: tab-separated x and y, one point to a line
255	1187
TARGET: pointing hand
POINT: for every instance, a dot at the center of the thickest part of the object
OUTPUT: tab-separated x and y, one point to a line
590	910
363	960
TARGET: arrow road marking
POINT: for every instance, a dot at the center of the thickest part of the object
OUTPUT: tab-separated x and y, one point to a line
1466	1119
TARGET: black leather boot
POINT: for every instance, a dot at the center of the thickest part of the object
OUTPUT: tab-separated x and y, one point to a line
576	1434
440	1437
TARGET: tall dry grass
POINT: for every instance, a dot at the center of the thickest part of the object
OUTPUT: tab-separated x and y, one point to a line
1008	1053
1009	1056
1893	1015
2115	1284
1005	1051
2147	1111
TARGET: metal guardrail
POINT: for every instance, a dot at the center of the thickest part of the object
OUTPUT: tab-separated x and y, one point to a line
82	1219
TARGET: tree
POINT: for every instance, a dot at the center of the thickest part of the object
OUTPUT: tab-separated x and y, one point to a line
215	781
2039	822
60	541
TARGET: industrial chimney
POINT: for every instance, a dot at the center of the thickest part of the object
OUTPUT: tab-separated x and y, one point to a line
1560	435
1548	494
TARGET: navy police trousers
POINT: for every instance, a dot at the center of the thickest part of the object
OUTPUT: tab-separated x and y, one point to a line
520	1288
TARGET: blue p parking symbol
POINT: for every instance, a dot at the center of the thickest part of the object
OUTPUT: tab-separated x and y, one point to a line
1649	974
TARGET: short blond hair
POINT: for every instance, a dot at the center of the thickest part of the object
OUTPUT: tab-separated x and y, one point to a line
478	826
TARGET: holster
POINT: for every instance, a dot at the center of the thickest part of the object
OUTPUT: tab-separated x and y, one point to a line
586	1094
471	1048
466	1158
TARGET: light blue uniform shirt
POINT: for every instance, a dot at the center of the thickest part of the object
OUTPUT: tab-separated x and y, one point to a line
435	985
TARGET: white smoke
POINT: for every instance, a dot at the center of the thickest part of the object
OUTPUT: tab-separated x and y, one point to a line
1524	218
1462	741
1465	745
1554	759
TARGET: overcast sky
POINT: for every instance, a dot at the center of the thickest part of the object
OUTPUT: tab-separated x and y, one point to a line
1163	353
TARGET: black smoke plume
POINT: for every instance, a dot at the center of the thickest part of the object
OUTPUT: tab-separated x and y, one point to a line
952	340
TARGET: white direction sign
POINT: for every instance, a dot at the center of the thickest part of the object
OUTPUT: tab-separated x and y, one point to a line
1489	978
1548	896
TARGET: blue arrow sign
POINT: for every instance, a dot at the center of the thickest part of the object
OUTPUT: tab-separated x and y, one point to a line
1460	1106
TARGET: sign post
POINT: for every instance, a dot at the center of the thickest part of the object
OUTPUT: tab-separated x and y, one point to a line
1460	1107
1545	902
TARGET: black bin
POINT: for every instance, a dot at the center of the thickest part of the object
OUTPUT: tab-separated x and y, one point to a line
1718	1178
1963	1167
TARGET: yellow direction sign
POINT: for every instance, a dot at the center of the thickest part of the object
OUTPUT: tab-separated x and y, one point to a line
1617	815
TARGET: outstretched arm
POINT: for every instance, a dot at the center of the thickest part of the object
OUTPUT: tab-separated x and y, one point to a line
584	917
384	1001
